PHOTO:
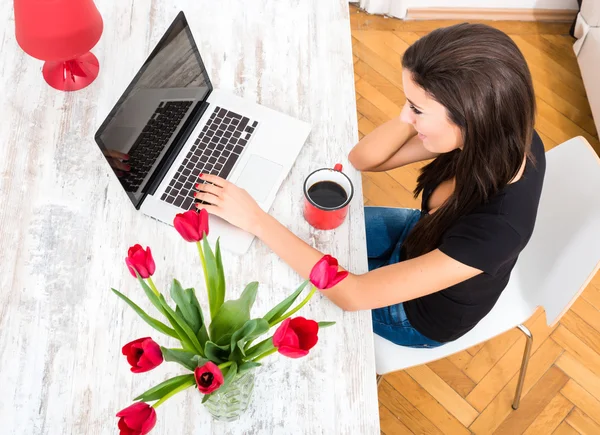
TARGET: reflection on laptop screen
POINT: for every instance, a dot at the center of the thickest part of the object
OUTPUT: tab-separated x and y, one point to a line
155	108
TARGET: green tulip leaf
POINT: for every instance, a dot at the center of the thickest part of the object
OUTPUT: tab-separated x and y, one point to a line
260	348
229	375
164	388
220	294
182	336
180	356
188	311
248	366
283	306
187	337
202	332
206	397
252	329
232	315
325	324
214	286
156	324
216	353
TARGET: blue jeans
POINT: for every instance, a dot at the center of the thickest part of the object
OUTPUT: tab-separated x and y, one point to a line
387	228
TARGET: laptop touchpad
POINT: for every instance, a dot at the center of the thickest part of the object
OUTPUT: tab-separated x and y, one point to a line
258	177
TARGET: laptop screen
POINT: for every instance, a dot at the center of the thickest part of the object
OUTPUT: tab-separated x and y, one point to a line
145	126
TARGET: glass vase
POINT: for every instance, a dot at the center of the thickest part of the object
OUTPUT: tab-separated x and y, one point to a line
230	403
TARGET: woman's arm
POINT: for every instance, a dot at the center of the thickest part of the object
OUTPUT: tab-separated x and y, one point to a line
391	145
382	287
379	288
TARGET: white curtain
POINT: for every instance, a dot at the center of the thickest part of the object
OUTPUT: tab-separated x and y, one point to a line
394	8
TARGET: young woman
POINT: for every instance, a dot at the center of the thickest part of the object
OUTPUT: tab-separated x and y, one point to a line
436	272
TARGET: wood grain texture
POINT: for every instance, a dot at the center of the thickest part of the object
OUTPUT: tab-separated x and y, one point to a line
490	354
504	370
587	312
582	399
379	100
578	348
475	349
500	408
592	295
535	402
365	126
410	416
580	374
460	359
390	424
426	403
453	376
557	52
379	64
444	394
582	423
65	234
392	189
551	416
582	330
565	429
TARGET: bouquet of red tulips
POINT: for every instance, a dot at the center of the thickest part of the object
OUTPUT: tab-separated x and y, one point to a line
219	353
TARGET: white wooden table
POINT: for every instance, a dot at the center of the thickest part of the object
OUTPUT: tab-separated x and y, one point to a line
65	226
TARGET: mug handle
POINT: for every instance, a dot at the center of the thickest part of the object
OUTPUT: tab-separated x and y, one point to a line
338	167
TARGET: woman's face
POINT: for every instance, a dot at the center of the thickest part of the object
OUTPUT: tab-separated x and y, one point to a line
430	118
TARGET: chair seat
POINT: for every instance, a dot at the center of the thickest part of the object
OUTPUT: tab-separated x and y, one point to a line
510	311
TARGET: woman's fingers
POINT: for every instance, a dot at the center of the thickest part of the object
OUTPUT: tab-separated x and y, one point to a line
116	154
211	209
120	165
209	188
214	179
208	197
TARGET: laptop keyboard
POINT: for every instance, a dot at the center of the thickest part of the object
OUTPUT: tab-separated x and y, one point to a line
152	141
215	152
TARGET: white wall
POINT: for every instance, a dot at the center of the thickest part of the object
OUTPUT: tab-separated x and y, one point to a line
397	8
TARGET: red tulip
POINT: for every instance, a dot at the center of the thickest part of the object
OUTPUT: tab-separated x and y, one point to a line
192	225
208	377
140	260
325	273
295	337
137	419
143	354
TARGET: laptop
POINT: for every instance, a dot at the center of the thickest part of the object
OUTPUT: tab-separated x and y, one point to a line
173	125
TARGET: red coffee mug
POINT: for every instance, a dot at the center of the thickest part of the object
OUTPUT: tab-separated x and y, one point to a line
327	193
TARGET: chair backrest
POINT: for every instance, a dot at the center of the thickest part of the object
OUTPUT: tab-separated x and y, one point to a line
563	253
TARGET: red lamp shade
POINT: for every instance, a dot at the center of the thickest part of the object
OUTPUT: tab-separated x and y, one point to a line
61	32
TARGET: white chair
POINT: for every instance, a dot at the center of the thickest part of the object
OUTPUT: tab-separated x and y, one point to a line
560	259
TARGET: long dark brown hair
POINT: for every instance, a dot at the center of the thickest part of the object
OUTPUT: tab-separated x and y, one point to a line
480	76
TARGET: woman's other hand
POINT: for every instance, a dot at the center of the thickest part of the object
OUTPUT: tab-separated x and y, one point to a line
117	161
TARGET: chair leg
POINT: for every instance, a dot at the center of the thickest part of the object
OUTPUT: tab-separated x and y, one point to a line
526	355
379	378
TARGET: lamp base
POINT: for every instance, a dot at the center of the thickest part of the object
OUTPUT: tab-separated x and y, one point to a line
71	75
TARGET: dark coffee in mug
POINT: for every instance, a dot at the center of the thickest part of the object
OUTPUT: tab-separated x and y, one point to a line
327	194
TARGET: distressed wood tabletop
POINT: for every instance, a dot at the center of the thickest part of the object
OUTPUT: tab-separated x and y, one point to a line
65	226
